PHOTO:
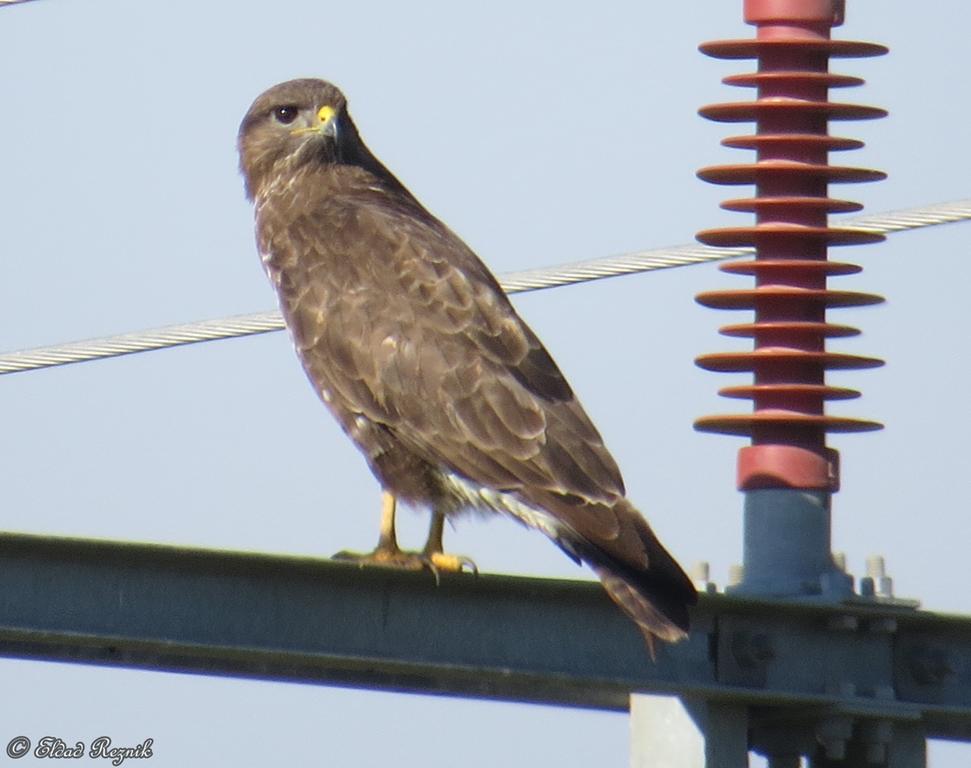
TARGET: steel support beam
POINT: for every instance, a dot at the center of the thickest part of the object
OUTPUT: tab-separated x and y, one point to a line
881	671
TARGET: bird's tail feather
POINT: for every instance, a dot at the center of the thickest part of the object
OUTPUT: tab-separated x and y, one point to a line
650	619
657	596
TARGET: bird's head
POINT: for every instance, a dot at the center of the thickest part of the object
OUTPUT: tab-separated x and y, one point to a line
293	123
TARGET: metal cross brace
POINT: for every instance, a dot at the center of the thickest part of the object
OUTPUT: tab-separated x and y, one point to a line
846	676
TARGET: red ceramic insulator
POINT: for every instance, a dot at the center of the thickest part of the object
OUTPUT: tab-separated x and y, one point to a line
791	236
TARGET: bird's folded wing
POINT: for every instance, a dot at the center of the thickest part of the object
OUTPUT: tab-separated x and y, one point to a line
408	328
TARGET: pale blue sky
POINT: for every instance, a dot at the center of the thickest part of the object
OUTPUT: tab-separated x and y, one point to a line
541	133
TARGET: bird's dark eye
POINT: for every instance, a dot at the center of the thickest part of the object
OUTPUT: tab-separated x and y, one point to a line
286	114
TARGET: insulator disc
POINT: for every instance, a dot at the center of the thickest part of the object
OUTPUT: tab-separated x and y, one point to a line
753	49
792	142
735	237
770	266
821	79
747	111
735	362
754	173
768	205
815	391
794	329
744	424
748	298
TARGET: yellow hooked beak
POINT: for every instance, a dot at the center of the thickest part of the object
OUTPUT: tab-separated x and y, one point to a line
325	124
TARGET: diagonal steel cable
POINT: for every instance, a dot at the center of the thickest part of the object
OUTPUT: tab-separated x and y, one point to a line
512	282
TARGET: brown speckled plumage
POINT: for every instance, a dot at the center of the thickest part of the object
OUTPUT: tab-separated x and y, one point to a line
420	356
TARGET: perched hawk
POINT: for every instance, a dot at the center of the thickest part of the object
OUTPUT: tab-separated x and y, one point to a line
409	340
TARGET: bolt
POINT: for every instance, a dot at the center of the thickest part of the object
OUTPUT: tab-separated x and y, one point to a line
833	733
884	692
884	626
876	754
735	575
844	623
877	571
866	587
751	650
931	665
700	571
876	735
701	575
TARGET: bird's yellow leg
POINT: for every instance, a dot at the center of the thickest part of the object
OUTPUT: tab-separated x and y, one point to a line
388	554
438	560
388	539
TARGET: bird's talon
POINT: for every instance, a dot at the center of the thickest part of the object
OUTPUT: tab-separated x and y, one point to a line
430	565
436	562
385	558
452	563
